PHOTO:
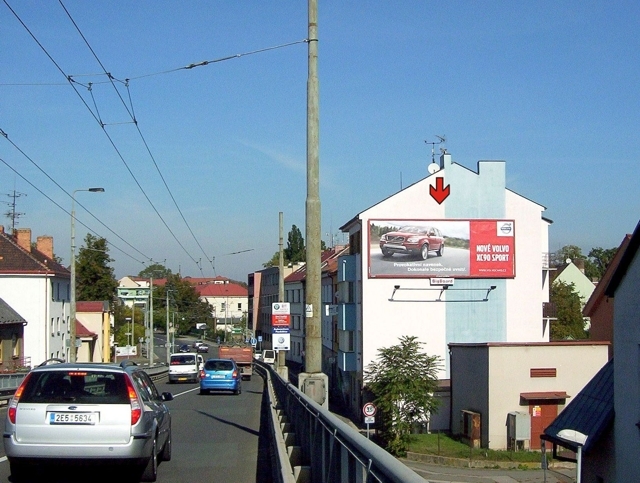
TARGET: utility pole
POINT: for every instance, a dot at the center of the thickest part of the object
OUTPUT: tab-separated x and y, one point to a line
12	214
281	366
168	344
313	383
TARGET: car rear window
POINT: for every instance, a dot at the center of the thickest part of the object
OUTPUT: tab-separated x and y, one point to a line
212	365
183	360
76	386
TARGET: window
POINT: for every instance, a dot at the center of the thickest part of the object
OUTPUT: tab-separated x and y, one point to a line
239	306
15	346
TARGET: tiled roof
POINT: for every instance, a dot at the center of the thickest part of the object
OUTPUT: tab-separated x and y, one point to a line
625	262
590	412
92	306
82	331
328	261
8	315
16	260
221	290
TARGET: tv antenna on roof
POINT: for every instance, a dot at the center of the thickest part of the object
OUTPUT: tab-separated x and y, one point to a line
434	167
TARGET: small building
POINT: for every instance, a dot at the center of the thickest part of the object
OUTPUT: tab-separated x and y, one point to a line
490	381
94	328
11	339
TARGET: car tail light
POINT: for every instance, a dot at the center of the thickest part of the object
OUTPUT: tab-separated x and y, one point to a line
201	374
235	374
136	410
13	405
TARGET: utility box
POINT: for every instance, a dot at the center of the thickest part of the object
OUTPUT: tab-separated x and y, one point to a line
518	430
470	424
315	386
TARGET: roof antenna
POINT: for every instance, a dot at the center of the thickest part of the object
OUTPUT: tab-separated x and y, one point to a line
434	167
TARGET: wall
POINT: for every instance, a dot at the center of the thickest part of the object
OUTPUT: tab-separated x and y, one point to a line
509	376
626	338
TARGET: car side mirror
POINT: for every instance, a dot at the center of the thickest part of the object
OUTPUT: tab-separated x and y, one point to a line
167	396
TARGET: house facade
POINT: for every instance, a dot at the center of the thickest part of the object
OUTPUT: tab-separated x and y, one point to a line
454	258
534	380
11	339
38	288
95	331
228	301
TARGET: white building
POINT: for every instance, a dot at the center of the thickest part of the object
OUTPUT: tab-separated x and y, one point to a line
38	288
488	284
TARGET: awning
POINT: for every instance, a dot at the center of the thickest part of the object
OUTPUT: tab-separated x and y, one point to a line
543	395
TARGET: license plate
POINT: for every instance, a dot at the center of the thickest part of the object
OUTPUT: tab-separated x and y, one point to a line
217	376
182	379
74	418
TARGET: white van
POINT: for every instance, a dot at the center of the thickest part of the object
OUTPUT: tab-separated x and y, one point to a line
268	356
185	367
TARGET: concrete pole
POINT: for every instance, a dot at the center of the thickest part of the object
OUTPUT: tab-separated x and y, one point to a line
168	344
313	342
151	354
283	370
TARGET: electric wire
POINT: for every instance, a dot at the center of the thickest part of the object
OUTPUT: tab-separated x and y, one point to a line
63	209
103	129
4	134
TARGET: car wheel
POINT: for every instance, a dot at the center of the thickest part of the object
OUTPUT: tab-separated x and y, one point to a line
441	251
165	455
424	251
386	253
204	391
18	470
238	391
150	472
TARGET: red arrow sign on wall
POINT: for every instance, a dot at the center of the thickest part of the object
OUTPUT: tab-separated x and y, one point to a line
439	193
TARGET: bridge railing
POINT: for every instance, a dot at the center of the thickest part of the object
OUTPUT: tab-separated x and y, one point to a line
321	448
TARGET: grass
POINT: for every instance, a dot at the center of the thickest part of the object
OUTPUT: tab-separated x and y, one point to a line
442	444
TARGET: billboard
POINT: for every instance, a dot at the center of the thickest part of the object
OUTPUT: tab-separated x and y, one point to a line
441	248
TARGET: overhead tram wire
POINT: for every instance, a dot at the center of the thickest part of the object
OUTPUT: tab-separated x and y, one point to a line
55	203
5	135
71	82
130	110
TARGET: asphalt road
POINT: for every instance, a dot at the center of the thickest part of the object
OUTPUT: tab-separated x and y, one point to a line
215	439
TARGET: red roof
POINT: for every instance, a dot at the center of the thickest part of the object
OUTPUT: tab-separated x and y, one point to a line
93	306
82	331
221	290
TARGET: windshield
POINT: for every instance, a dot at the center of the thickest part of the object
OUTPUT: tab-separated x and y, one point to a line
76	386
183	360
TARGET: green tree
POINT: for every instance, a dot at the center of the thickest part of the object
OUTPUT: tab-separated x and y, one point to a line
402	381
570	323
600	259
294	252
567	252
94	277
155	270
185	307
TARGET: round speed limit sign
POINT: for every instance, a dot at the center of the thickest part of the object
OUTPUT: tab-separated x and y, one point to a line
369	409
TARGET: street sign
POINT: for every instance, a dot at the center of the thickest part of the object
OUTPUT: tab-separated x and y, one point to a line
281	308
369	409
369	419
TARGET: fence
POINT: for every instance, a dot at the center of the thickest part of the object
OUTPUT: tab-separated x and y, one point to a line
319	447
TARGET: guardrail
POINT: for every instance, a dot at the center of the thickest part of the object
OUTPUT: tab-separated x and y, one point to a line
312	445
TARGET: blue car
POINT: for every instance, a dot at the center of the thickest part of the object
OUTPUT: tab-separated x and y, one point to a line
220	375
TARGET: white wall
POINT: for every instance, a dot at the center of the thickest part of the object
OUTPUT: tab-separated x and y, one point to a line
31	297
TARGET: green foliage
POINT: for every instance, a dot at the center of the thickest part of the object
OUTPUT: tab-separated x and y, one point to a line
95	279
402	381
295	251
570	323
155	270
185	307
122	325
595	263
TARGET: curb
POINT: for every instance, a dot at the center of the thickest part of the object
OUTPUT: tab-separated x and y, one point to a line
481	464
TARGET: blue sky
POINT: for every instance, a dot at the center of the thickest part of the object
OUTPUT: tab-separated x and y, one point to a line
552	88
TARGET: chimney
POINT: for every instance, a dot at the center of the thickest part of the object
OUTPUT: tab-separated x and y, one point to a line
44	244
579	262
1	228
23	238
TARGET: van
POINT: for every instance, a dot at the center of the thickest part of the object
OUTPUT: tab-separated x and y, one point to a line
184	367
268	356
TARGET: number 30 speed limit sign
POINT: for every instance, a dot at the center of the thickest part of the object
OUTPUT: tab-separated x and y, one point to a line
369	409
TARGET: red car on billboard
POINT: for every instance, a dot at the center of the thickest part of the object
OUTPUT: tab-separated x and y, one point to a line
413	240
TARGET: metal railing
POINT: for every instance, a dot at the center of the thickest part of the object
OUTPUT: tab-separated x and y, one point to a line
319	447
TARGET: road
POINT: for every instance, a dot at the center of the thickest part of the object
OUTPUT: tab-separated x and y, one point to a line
215	439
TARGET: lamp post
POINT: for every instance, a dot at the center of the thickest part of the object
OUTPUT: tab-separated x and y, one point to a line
579	440
72	310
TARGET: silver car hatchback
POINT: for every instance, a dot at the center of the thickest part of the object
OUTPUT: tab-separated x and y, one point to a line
88	412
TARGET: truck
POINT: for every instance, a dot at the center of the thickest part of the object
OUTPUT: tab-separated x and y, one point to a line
242	354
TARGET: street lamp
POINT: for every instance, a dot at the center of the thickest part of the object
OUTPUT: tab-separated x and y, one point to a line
579	440
72	310
128	334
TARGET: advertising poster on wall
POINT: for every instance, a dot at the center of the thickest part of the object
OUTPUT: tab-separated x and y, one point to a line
441	248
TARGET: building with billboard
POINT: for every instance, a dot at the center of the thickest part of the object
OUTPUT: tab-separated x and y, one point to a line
456	257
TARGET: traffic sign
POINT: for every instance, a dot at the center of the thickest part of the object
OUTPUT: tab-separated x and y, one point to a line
369	409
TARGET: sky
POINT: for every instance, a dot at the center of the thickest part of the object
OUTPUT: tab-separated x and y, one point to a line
218	150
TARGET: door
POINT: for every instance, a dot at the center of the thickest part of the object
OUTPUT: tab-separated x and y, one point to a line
542	415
